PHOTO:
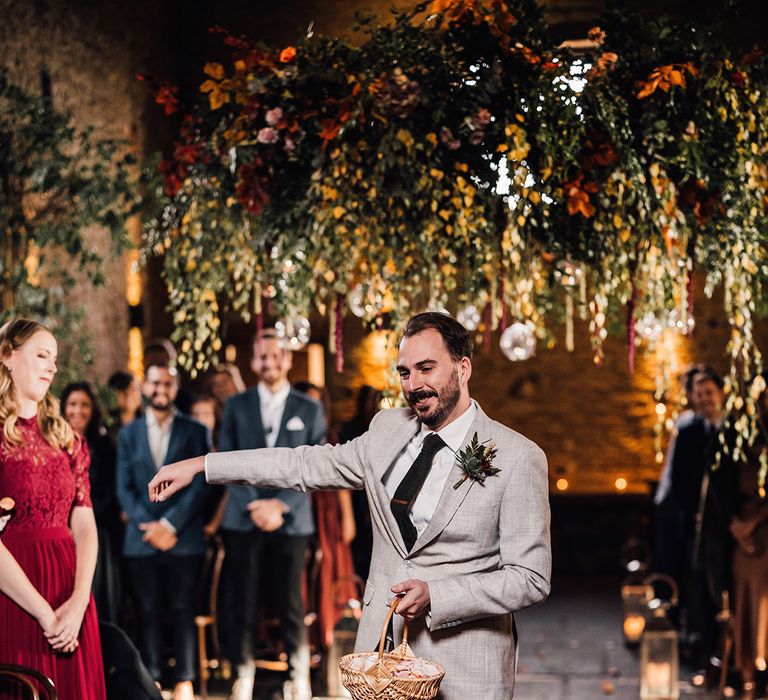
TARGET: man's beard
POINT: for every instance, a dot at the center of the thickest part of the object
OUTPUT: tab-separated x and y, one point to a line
159	405
447	399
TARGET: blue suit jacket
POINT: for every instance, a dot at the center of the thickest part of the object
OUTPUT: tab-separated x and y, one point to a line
242	429
135	468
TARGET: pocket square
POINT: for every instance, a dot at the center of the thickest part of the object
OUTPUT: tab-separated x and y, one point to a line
295	423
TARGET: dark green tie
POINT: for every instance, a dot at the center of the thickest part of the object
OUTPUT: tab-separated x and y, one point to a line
410	486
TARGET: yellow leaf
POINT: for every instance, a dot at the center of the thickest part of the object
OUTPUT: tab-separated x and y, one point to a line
215	70
338	212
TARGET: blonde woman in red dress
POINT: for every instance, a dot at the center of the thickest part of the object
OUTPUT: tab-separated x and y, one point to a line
48	548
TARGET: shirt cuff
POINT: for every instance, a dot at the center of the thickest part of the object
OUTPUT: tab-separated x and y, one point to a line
206	468
167	523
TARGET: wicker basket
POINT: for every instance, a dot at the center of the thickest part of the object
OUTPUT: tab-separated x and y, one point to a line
377	683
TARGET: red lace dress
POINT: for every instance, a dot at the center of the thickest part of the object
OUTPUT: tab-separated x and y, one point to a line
46	484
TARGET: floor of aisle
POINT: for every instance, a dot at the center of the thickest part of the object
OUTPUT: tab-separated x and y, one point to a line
570	649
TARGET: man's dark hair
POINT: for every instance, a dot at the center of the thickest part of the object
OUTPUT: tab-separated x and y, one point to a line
707	374
454	335
120	380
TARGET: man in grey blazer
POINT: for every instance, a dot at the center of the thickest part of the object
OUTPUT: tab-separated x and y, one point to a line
463	552
267	530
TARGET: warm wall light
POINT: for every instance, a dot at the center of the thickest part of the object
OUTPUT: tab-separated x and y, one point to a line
133	297
620	483
562	484
316	364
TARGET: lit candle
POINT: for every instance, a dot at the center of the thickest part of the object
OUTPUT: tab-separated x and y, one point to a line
659	677
633	627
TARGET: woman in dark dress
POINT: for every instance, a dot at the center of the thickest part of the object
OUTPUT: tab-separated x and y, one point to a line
81	410
48	548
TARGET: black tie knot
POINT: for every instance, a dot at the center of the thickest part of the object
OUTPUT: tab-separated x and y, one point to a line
432	444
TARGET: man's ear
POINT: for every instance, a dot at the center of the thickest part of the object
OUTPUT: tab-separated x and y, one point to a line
465	369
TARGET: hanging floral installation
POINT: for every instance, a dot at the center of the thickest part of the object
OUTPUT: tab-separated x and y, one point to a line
457	158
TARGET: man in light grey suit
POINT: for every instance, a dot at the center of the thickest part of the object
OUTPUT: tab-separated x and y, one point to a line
463	552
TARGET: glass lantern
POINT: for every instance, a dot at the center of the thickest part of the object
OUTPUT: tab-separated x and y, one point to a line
635	596
635	592
659	662
344	635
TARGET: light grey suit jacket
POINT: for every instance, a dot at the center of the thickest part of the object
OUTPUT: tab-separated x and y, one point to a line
485	554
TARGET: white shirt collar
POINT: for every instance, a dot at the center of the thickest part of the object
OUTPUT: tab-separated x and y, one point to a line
152	420
276	398
454	433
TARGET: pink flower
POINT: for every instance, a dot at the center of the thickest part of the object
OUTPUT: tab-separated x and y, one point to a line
481	119
290	145
446	136
268	135
273	116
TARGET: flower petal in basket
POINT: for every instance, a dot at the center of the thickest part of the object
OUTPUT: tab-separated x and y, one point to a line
378	676
403	650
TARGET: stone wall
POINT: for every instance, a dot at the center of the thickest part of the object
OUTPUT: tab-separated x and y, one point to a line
91	50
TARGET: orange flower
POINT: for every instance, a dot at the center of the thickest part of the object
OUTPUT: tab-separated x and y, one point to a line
665	77
330	131
577	196
287	54
527	54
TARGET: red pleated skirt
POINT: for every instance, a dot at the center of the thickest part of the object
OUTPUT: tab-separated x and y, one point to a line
47	556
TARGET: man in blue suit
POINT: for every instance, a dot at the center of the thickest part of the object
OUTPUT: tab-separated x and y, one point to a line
267	530
163	543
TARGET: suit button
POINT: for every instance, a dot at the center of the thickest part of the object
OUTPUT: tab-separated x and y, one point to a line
408	565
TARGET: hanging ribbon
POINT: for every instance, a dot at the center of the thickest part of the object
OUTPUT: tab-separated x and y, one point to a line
339	332
503	296
631	328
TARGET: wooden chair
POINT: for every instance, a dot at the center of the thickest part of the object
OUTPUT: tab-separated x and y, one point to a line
25	676
208	607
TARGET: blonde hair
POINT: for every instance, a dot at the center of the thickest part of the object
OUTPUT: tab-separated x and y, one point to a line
55	430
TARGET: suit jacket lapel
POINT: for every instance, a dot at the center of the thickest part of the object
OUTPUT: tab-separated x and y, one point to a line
450	498
289	410
177	430
146	452
255	424
380	469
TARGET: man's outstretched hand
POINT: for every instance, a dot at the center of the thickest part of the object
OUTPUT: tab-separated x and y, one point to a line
174	477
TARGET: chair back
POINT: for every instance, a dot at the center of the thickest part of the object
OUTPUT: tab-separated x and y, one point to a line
31	680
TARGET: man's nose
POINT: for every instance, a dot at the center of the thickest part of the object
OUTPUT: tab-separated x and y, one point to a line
414	383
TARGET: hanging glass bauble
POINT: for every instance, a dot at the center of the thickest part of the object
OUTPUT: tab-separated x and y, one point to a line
518	342
675	321
469	317
569	273
294	332
356	301
364	301
649	328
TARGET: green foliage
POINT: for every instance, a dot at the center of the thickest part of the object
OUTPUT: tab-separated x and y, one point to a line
55	181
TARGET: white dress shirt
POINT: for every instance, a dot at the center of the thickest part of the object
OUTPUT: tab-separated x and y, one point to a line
272	406
159	436
453	435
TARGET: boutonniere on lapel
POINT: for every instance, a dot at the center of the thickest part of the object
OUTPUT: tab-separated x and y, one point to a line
476	461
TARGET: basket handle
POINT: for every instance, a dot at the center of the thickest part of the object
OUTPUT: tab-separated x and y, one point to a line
392	607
